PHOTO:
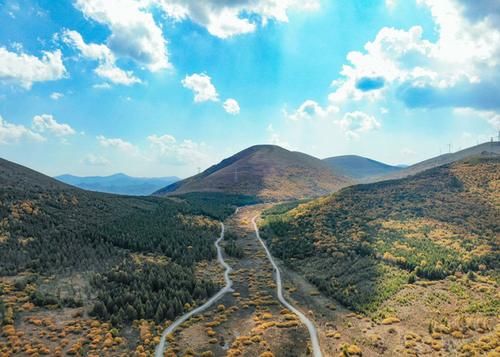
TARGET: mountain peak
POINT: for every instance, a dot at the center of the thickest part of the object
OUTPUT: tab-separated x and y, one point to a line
358	167
267	171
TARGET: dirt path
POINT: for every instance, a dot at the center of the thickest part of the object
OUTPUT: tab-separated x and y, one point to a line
227	288
313	333
251	321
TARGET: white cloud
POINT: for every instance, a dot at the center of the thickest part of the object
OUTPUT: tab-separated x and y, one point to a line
229	18
488	10
202	87
385	58
494	120
467	45
355	123
275	138
56	96
101	86
167	149
46	122
93	51
311	109
390	4
458	67
107	67
13	133
95	160
118	144
134	32
231	106
116	75
492	117
24	70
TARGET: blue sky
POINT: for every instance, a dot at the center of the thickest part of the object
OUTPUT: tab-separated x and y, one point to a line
164	87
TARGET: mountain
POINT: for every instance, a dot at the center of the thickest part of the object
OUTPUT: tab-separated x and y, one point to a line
266	171
358	167
72	257
119	183
363	244
481	149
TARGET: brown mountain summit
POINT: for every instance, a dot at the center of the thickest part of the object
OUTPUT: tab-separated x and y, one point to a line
266	171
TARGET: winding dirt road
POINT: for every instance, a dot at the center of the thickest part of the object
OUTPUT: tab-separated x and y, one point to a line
313	333
227	288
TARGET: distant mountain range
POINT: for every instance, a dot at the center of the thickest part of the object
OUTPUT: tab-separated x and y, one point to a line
358	167
266	171
119	183
364	170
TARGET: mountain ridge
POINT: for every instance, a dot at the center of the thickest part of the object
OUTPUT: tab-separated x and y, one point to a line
266	171
487	148
359	167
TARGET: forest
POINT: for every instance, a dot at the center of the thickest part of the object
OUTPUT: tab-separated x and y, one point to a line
133	249
365	242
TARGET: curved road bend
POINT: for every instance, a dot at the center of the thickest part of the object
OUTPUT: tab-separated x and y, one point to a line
228	288
310	326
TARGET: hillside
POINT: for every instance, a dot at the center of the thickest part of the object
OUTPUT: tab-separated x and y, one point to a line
363	244
266	171
358	167
74	259
119	183
481	149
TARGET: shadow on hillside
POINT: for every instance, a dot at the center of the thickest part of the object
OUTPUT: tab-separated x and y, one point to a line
353	281
354	277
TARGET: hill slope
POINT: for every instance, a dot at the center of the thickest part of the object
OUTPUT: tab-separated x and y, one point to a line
481	149
107	256
358	167
119	183
266	171
362	244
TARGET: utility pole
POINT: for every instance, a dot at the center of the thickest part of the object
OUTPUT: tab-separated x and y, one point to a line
449	148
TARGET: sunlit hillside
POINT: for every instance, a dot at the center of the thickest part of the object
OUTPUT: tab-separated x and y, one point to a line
265	171
367	245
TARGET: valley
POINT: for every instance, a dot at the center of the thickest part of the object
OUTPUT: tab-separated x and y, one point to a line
250	321
250	178
424	317
401	267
